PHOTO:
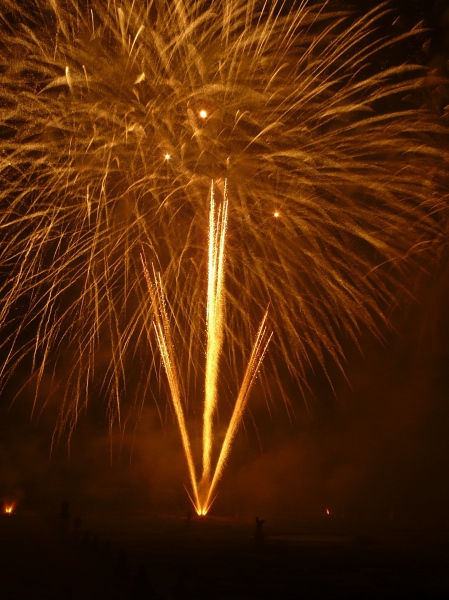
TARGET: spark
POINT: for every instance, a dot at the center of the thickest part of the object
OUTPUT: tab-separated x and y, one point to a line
203	113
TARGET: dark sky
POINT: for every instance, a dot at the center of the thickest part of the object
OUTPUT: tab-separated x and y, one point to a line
374	447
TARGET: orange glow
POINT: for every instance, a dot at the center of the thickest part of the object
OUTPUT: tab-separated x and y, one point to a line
167	156
203	113
8	509
276	214
328	512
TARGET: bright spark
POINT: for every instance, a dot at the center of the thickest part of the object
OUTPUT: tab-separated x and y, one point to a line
203	113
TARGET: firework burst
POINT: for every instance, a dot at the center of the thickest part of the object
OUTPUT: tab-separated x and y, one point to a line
115	117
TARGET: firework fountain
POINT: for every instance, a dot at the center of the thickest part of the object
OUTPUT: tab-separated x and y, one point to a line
203	490
117	115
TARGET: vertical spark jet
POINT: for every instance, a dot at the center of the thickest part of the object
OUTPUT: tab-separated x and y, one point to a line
214	322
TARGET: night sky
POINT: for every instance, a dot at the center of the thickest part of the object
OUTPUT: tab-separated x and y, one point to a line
373	448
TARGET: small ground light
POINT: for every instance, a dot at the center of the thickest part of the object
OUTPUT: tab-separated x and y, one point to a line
276	214
203	113
167	156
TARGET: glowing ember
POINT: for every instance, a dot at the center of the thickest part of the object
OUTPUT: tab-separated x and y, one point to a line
8	509
328	512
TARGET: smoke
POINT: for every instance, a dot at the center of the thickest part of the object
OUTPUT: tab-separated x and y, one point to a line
379	454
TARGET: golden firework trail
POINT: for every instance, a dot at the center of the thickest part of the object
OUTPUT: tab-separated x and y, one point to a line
204	489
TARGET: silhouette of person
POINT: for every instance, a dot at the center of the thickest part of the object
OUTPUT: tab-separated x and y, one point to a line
142	588
258	535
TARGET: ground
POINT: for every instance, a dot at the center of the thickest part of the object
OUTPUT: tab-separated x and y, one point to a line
166	557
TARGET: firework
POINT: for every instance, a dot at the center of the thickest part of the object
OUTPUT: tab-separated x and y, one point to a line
115	117
215	292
